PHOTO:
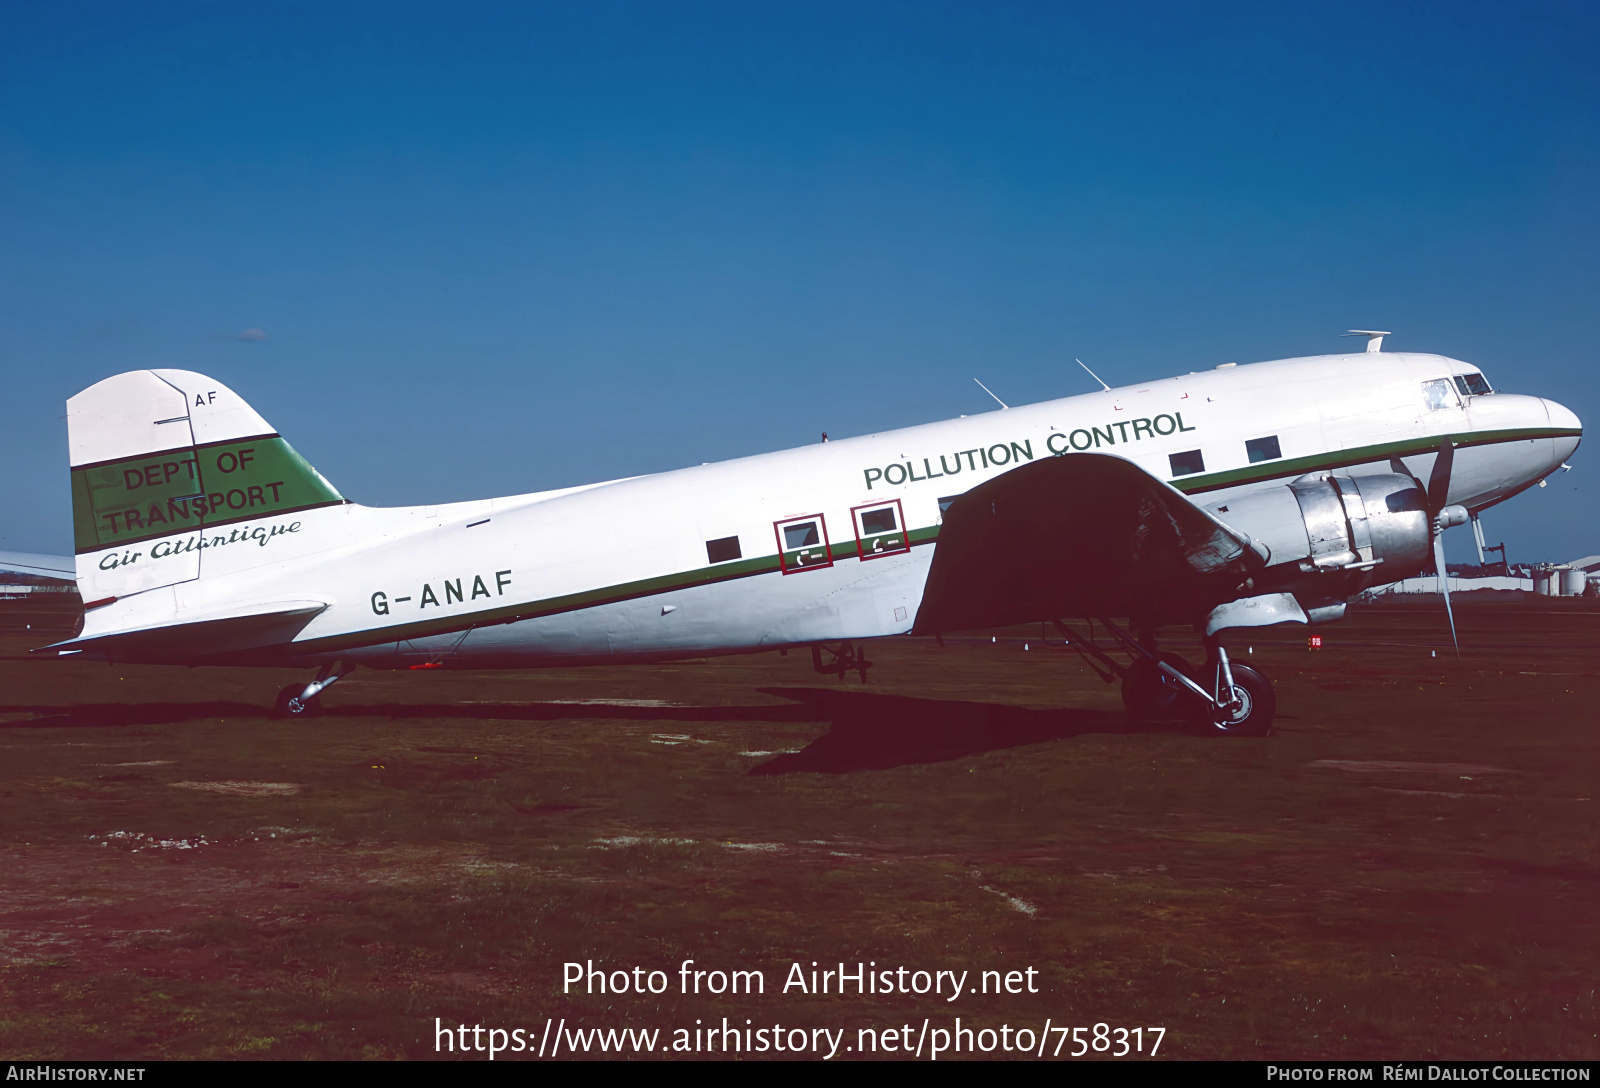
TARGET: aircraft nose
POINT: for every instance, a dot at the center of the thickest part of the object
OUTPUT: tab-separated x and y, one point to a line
1564	419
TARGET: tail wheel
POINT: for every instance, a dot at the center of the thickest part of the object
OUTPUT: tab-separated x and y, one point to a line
290	705
1149	693
1251	712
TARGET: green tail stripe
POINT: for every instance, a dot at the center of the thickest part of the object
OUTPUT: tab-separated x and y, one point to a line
140	498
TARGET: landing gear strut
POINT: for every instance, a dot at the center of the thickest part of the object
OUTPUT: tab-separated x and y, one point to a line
1242	700
1149	693
300	700
845	659
1224	699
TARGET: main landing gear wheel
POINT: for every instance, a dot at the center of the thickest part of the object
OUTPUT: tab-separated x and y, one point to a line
1150	694
290	705
1249	713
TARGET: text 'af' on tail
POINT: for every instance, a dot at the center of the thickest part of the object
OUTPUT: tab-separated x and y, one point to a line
167	464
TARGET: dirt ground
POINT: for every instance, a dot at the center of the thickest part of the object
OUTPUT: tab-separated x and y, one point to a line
1406	869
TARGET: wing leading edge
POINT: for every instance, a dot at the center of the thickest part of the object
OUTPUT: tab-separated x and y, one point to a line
55	568
1084	534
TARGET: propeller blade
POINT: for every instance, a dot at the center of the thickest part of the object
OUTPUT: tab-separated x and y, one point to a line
1439	478
1444	587
1438	496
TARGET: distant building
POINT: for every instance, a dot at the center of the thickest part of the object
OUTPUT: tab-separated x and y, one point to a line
1429	583
22	573
1580	577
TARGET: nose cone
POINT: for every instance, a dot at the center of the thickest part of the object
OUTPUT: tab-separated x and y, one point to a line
1568	426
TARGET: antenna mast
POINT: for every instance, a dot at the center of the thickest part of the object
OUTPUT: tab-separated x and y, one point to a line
1093	375
989	391
1374	338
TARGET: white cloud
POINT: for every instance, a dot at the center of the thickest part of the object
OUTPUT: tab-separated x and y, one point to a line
252	334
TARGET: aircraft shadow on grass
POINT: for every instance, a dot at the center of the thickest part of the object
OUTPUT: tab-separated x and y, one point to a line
868	731
113	714
88	715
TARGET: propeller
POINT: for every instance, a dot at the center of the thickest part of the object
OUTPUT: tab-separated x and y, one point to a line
1441	517
1444	581
1438	495
1439	478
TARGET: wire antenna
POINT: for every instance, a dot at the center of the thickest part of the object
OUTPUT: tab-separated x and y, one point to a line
1093	375
989	391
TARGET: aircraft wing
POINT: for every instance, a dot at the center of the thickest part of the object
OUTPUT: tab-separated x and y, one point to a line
1084	534
59	568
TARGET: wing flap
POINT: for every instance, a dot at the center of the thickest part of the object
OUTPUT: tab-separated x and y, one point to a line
1078	535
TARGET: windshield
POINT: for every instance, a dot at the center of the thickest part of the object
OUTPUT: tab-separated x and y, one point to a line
1437	394
1472	385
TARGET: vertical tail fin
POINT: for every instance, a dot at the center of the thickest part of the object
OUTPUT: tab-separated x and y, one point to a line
159	455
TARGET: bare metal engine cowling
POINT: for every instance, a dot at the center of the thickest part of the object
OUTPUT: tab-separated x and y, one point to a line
1328	536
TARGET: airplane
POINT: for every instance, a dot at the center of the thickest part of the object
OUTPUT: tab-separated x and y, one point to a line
28	569
1242	496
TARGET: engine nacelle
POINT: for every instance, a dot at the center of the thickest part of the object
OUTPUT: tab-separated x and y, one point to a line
1328	536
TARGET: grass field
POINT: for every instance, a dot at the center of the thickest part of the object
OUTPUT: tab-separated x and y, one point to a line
1407	868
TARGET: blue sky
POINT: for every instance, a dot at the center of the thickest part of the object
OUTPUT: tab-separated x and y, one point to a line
498	248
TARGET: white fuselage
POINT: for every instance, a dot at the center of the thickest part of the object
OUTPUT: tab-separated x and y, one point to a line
622	570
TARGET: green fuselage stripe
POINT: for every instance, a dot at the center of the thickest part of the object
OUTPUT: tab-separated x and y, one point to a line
748	568
1322	462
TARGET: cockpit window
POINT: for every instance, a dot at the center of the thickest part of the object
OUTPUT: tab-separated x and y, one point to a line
1439	394
1472	385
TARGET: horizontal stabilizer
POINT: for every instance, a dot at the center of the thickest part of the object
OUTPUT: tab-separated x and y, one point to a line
212	635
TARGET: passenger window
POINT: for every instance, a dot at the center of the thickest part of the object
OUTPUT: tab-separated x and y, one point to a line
1187	463
879	521
797	536
1438	394
803	543
1263	449
723	549
880	529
